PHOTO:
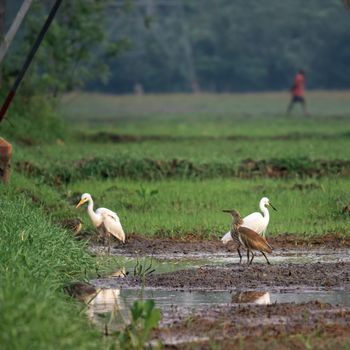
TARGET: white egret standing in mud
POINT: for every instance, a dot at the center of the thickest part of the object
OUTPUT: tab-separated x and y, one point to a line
104	219
256	221
248	238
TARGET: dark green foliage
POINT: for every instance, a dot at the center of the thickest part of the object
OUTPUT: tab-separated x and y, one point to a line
32	121
74	49
237	45
153	169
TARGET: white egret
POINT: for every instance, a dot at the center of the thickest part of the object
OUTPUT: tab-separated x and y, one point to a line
104	219
256	221
248	238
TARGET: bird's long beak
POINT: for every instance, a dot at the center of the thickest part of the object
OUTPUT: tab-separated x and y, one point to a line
227	211
272	206
80	203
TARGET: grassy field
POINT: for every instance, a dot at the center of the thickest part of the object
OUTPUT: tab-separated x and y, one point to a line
210	137
181	207
183	163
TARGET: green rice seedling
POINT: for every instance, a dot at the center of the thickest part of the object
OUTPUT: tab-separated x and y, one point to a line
144	318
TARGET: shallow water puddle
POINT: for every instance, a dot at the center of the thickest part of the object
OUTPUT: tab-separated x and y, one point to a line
115	301
178	262
171	262
111	303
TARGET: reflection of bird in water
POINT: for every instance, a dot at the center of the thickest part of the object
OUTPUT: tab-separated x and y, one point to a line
120	273
105	301
248	238
73	225
104	219
256	221
261	298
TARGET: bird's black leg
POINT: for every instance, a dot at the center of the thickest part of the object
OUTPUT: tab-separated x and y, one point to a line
266	258
240	255
109	243
248	256
252	258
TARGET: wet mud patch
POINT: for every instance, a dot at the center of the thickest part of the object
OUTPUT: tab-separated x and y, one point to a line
301	300
137	245
284	275
257	326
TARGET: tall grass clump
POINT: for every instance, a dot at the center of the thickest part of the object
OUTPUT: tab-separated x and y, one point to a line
36	260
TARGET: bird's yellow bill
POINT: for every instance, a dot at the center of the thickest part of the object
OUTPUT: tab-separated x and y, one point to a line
80	203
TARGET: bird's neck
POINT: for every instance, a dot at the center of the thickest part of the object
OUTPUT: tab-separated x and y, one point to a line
236	224
93	216
265	211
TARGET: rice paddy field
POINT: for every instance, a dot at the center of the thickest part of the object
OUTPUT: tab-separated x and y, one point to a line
168	165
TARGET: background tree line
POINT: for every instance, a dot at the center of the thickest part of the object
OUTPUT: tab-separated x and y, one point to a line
231	45
181	45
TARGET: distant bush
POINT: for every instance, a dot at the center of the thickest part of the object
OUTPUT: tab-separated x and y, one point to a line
153	169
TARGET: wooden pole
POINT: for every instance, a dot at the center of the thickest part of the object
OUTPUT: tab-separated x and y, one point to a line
14	28
29	59
2	29
5	147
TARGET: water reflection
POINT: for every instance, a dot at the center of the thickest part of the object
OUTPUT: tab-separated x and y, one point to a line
120	273
109	308
256	297
105	306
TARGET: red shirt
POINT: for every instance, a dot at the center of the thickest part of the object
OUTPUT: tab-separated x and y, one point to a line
299	85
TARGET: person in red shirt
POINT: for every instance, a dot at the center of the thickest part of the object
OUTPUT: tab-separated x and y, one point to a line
298	92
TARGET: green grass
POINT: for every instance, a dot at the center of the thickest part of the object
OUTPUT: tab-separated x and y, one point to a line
182	109
221	151
182	207
36	260
200	125
202	129
37	257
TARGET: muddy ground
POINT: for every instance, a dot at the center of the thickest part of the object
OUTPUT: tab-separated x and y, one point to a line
147	246
320	275
311	325
242	323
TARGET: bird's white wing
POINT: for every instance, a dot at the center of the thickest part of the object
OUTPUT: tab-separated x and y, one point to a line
255	222
112	223
105	211
227	237
113	226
